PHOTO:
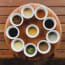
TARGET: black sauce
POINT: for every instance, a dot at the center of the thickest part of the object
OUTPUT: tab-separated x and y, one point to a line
13	32
49	23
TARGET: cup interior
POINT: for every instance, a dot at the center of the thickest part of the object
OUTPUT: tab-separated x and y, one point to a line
32	31
30	50
12	32
16	19
53	36
27	11
44	47
49	23
17	45
41	13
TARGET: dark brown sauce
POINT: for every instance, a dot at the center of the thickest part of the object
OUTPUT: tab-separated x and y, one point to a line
17	19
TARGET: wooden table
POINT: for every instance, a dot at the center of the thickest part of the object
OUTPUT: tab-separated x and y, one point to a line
7	6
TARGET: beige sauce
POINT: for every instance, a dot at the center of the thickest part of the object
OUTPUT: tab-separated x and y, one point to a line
27	12
18	45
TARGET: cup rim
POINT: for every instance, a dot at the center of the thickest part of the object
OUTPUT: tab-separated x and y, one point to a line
32	25
27	6
44	52
54	21
28	55
7	32
43	8
58	36
13	42
11	17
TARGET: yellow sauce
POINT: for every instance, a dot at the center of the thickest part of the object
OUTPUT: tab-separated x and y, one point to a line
32	31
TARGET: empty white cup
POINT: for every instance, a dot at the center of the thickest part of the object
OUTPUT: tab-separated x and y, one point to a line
43	9
27	11
21	45
46	50
49	23
14	15
32	26
28	45
53	36
12	32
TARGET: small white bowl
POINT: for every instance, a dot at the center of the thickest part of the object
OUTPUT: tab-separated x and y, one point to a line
11	19
24	7
7	32
13	42
54	21
55	32
43	8
44	52
30	55
29	26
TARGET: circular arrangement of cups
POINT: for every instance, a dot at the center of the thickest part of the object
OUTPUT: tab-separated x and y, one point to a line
44	52
7	32
53	20
13	42
48	41
11	19
55	32
42	8
30	55
30	7
35	26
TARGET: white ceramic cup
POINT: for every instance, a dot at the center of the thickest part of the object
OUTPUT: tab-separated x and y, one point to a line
41	8
7	32
13	15
25	7
53	36
30	55
54	23
43	52
35	26
13	47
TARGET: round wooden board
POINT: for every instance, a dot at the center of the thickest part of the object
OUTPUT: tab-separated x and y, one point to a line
42	35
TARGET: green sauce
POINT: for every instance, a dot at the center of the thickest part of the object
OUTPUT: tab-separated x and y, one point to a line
30	49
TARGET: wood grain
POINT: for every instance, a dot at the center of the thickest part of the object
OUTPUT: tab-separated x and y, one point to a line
60	54
8	10
3	45
20	2
5	54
